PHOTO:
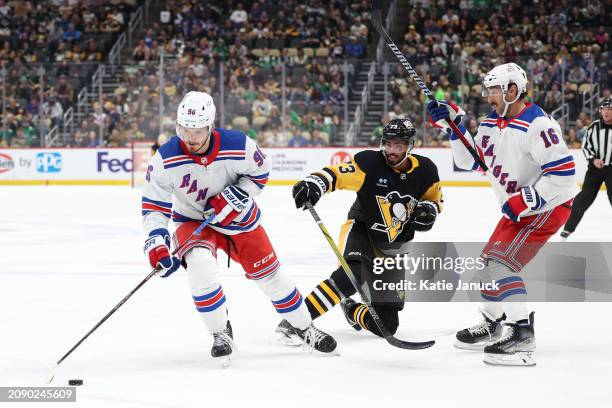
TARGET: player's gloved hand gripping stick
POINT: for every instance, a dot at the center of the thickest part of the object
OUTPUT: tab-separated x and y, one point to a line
377	23
394	341
210	217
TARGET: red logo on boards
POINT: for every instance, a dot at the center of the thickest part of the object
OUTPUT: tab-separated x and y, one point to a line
340	157
6	163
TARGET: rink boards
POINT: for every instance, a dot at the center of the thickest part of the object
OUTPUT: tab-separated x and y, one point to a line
114	166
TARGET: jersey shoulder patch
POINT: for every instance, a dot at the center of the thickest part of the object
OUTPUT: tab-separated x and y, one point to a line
171	148
172	154
426	167
424	161
365	159
232	144
531	113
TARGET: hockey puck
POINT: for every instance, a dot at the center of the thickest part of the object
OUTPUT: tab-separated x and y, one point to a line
75	382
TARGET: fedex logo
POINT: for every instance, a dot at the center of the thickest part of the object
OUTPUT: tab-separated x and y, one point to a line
113	165
6	163
49	162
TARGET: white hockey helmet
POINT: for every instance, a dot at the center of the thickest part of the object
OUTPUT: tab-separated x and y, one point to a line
196	110
504	75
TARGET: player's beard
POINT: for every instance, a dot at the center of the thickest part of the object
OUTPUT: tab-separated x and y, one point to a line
394	159
197	147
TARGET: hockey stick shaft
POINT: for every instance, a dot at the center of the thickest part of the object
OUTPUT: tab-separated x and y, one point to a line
377	23
129	295
386	334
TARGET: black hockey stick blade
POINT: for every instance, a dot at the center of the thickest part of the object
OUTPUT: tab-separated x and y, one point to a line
394	341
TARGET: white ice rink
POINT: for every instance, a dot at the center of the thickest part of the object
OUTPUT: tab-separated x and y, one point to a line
69	254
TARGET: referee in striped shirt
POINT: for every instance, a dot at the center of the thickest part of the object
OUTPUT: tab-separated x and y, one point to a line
597	148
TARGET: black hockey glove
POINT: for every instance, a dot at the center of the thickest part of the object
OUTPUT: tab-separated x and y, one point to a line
425	215
310	189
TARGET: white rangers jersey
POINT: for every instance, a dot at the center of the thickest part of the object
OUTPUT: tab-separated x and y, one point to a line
527	150
232	160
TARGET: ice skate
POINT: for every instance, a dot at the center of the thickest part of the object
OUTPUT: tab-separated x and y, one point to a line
477	337
223	345
516	347
311	337
347	305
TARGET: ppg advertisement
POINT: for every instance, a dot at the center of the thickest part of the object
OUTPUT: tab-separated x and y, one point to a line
65	166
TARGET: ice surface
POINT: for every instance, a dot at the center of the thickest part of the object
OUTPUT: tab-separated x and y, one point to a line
69	254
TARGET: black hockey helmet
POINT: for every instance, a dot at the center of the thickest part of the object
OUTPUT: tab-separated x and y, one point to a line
605	103
399	129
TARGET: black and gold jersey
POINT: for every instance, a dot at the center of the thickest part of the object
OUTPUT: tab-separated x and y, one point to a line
385	198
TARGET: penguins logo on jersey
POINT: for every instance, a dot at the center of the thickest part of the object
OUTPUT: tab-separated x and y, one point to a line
395	210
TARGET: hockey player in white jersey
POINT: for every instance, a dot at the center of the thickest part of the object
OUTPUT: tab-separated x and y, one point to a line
208	169
534	184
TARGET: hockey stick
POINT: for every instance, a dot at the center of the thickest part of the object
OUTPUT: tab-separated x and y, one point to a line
394	341
210	219
377	23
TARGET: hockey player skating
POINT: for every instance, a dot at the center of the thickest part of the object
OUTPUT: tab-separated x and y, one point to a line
209	169
398	193
524	148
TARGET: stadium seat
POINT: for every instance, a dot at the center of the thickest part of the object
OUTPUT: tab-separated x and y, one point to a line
322	52
240	122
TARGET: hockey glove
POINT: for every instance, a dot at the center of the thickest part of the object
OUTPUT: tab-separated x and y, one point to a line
519	204
425	215
310	189
228	204
442	111
157	248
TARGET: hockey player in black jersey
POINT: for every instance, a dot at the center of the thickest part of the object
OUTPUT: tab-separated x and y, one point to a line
398	193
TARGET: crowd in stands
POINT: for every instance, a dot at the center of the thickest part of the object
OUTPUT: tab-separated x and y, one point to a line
242	50
67	38
252	40
563	46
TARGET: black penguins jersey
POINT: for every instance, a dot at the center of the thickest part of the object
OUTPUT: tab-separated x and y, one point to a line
385	198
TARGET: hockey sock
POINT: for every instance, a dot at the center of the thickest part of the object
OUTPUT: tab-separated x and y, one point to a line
212	309
510	294
206	291
493	310
286	298
322	298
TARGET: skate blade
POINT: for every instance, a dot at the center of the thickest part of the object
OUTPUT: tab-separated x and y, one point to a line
282	339
225	361
520	358
470	346
334	353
